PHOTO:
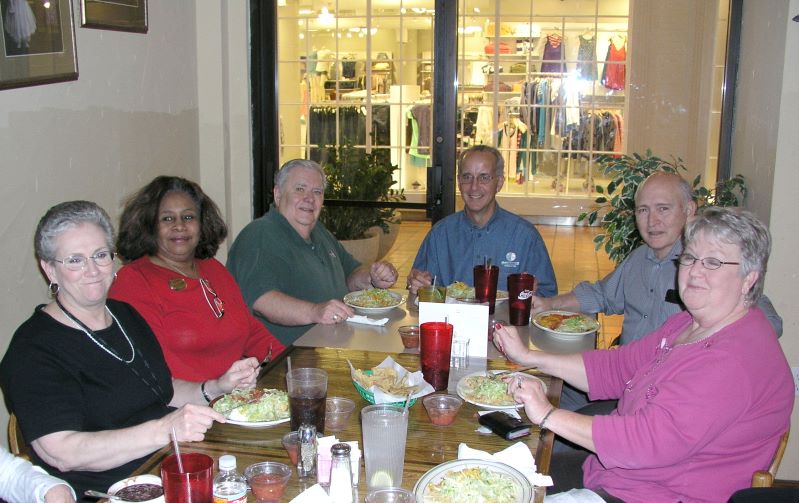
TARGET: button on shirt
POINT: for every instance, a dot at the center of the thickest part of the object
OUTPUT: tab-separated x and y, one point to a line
455	245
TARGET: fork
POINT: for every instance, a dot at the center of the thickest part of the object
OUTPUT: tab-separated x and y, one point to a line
494	375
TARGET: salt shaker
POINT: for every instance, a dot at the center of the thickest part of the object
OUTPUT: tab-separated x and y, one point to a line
340	474
306	461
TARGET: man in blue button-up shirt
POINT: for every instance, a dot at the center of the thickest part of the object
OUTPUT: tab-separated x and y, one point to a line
482	230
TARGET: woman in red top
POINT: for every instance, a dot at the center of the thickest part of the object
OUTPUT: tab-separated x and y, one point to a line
169	232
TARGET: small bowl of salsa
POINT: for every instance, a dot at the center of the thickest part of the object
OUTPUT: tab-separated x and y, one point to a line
442	408
268	480
142	488
410	336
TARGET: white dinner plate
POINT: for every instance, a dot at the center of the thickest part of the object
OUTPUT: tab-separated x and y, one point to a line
463	392
351	297
523	488
565	334
240	421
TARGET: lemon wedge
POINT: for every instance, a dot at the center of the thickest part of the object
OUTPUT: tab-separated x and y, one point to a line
381	478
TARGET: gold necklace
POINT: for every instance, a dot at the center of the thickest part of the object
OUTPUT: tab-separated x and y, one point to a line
178	284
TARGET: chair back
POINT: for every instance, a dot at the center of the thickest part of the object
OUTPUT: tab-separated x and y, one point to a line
16	443
765	478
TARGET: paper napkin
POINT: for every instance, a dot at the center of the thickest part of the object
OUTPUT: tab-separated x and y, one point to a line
314	494
414	379
517	456
365	320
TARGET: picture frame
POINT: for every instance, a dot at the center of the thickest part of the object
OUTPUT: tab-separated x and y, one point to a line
38	43
119	15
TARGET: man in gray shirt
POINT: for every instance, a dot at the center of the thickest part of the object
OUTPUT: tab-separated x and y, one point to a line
643	287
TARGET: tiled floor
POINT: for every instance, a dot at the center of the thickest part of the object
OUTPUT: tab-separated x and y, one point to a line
570	248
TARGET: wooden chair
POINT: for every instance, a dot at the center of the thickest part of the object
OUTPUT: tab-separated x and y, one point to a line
765	478
16	443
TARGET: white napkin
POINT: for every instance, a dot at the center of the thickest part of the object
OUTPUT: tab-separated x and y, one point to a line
414	379
314	494
365	320
517	456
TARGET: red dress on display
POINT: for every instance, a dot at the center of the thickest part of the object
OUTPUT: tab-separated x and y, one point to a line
614	72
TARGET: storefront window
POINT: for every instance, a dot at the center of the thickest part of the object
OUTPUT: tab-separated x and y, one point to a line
553	84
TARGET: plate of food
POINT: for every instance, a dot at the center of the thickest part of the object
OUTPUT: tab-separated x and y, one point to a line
373	301
141	488
460	290
471	481
566	323
488	392
254	408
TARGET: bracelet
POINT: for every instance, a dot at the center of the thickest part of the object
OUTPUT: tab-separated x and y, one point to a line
542	424
205	394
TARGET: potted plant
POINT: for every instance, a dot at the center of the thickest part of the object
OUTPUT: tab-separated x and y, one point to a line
356	175
616	205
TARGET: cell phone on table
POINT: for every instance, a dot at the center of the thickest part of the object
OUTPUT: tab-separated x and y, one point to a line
507	427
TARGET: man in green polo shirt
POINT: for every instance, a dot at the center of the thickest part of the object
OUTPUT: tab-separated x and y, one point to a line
292	271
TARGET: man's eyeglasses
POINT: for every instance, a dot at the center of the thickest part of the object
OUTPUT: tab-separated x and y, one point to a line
711	263
482	178
214	302
77	262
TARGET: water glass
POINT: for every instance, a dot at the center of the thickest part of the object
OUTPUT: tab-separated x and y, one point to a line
390	495
432	294
385	428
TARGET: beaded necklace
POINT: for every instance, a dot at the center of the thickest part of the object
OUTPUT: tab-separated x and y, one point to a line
159	393
90	333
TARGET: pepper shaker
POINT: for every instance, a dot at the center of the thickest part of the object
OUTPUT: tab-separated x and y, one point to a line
306	461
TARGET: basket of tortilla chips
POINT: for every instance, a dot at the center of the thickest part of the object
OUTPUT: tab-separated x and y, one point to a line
391	382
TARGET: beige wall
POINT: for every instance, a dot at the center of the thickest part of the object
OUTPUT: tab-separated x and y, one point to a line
766	150
670	80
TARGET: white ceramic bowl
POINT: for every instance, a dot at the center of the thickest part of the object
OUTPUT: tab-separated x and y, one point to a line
138	479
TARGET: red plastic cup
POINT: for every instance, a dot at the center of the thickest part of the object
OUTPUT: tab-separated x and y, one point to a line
194	485
485	285
521	288
436	346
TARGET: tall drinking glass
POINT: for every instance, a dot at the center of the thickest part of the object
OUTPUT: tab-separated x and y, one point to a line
385	429
194	484
435	351
485	285
432	293
521	287
307	390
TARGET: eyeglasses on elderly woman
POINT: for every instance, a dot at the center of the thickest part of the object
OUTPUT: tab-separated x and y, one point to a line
710	263
102	258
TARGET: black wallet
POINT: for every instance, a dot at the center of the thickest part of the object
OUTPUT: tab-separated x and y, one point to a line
507	427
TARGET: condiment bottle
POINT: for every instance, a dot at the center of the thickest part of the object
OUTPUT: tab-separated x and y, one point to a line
306	461
229	485
340	474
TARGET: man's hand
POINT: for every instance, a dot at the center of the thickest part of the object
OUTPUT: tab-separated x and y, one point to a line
332	311
418	279
383	274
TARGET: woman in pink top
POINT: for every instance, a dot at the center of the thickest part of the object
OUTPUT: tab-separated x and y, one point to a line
703	400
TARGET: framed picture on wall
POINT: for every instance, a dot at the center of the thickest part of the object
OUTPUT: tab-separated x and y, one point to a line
122	15
38	43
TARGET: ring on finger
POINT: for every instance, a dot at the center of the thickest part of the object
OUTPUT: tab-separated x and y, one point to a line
335	317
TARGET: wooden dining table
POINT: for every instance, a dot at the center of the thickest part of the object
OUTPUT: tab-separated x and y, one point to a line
427	445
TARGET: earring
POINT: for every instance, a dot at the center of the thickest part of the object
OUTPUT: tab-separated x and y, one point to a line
52	289
115	276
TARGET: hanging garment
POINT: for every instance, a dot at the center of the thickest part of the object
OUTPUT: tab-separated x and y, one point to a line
586	57
553	55
20	22
615	71
484	126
